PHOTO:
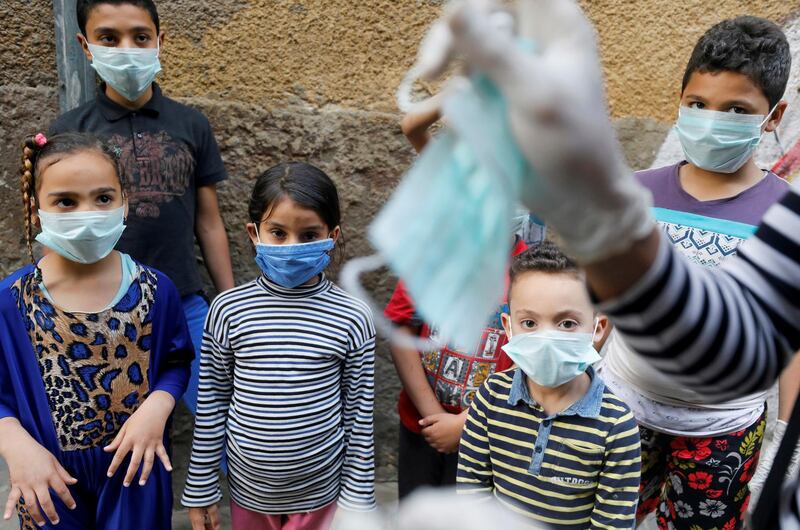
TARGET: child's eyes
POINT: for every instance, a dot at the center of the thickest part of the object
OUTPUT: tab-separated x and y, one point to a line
105	199
65	203
696	105
106	39
278	233
528	324
143	38
737	110
310	236
568	324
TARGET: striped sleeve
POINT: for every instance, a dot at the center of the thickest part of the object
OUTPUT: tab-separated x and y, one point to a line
213	400
726	332
618	484
474	464
358	393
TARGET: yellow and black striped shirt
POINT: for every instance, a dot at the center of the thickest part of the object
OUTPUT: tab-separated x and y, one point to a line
577	469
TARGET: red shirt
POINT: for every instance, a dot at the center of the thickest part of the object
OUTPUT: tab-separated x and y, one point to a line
455	375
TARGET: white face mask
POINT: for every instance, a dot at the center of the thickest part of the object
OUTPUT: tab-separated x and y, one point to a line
719	141
129	71
82	237
551	358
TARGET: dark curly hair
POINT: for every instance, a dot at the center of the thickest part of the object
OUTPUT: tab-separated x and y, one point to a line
752	46
545	257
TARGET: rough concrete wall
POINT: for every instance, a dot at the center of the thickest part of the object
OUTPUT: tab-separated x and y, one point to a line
315	51
336	51
645	45
314	80
28	83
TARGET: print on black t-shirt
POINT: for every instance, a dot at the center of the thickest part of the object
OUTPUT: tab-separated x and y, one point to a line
157	170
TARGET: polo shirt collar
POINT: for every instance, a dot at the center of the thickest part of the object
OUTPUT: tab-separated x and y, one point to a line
588	406
114	112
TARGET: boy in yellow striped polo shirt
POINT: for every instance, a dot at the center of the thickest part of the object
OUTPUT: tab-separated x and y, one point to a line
546	437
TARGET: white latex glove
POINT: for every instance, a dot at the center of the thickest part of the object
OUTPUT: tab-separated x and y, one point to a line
437	509
765	464
582	185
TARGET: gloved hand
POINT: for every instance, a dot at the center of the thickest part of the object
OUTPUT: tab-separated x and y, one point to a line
580	183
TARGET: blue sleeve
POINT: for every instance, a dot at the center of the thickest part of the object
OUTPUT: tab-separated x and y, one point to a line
8	407
173	347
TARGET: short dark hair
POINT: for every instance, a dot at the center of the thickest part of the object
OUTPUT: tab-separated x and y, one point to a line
84	7
303	183
752	46
545	257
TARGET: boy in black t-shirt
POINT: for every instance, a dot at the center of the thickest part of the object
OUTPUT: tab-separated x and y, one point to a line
169	157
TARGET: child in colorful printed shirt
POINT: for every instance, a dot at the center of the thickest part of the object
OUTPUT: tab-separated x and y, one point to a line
94	354
438	390
287	368
699	454
548	439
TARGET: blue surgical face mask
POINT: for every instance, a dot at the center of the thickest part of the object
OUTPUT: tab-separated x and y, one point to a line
129	71
551	358
719	141
446	230
82	237
293	265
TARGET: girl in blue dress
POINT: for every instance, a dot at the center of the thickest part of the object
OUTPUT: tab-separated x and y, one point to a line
94	353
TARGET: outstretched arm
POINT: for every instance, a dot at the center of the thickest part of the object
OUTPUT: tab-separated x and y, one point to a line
729	331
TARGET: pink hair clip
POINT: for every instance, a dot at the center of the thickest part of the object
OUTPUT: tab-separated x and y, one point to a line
40	139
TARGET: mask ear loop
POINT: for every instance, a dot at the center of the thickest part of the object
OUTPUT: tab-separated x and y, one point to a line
350	280
596	325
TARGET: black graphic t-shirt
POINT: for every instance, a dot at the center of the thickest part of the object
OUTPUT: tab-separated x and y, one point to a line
168	151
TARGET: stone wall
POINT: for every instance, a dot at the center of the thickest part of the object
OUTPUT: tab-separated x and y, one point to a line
314	80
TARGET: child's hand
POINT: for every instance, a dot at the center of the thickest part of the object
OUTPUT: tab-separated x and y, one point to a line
34	472
143	436
415	127
205	518
443	431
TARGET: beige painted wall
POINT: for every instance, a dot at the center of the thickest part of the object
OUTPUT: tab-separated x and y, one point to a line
354	53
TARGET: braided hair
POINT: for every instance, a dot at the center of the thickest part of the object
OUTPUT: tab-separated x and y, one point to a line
39	152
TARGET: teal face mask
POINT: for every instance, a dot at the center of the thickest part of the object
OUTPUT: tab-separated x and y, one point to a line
446	231
129	71
719	141
552	358
82	237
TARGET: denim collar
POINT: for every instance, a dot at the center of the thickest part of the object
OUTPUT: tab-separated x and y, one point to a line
588	406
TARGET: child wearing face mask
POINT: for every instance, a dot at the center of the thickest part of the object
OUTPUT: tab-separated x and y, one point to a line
708	205
168	155
94	353
547	438
286	379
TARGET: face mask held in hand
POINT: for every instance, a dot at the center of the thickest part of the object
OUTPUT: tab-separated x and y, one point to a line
293	265
129	71
446	231
82	237
551	358
719	141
